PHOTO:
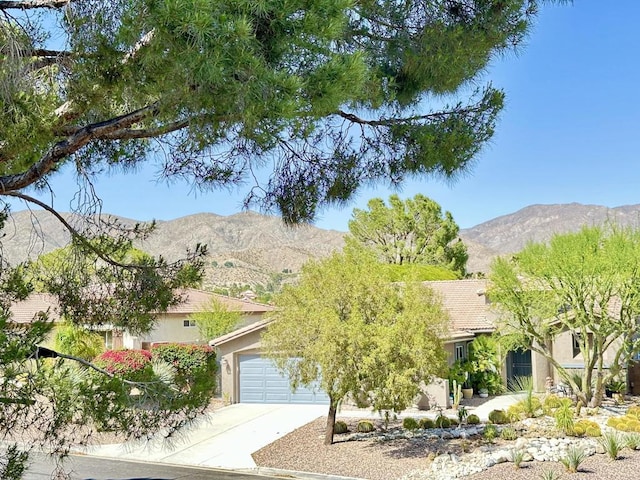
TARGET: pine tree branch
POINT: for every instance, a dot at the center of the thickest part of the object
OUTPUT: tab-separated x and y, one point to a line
32	4
43	352
64	148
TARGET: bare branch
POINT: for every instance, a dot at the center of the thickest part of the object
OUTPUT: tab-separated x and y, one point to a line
43	352
74	233
32	4
396	121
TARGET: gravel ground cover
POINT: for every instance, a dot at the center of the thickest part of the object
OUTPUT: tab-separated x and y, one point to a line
303	450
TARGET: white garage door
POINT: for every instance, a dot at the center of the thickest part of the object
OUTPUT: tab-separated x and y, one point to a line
261	382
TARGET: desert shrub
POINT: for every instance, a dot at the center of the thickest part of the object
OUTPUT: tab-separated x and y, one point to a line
490	432
426	423
498	417
612	443
340	427
133	365
410	423
530	406
186	357
365	426
473	419
573	458
442	422
78	341
508	433
527	408
454	422
194	364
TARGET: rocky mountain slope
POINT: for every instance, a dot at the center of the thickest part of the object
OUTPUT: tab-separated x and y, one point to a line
245	248
537	223
250	248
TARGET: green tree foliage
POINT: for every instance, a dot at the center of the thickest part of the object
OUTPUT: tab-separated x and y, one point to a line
410	231
325	96
215	319
486	357
587	283
52	402
195	366
334	94
77	341
346	328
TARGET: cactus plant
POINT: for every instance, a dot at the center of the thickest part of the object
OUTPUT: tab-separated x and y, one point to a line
340	427
410	423
365	426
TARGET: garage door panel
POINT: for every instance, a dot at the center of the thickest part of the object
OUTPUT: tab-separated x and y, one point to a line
261	382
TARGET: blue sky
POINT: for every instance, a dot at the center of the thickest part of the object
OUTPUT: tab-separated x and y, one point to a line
569	132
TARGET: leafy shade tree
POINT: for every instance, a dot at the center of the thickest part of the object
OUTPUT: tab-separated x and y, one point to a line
410	231
416	272
347	330
215	320
77	341
587	283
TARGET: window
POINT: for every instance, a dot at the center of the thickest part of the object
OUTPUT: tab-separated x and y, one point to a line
107	338
460	351
188	323
577	340
576	337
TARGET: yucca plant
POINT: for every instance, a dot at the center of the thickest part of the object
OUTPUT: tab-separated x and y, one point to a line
564	418
632	441
612	443
573	458
530	404
549	475
517	457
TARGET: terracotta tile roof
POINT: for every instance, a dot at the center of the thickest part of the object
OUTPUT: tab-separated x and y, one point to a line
24	311
196	300
467	304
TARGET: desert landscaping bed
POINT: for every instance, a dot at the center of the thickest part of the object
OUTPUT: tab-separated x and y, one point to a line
412	458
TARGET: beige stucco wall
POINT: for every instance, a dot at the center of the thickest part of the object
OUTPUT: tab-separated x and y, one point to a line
228	354
563	351
170	328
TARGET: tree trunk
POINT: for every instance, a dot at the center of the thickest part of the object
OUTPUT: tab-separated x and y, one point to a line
331	422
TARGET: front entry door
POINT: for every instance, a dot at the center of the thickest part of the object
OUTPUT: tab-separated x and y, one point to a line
519	364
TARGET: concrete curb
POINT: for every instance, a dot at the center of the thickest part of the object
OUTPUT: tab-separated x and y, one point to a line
274	472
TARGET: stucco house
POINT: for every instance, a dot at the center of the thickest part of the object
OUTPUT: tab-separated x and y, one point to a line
247	377
172	326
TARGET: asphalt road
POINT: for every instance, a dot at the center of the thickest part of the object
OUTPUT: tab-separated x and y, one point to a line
92	468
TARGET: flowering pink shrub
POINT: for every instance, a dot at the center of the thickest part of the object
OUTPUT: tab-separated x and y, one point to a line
129	364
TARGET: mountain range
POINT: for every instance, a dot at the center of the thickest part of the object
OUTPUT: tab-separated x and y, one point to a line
250	248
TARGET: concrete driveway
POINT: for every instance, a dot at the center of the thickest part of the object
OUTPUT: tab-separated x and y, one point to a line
225	438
